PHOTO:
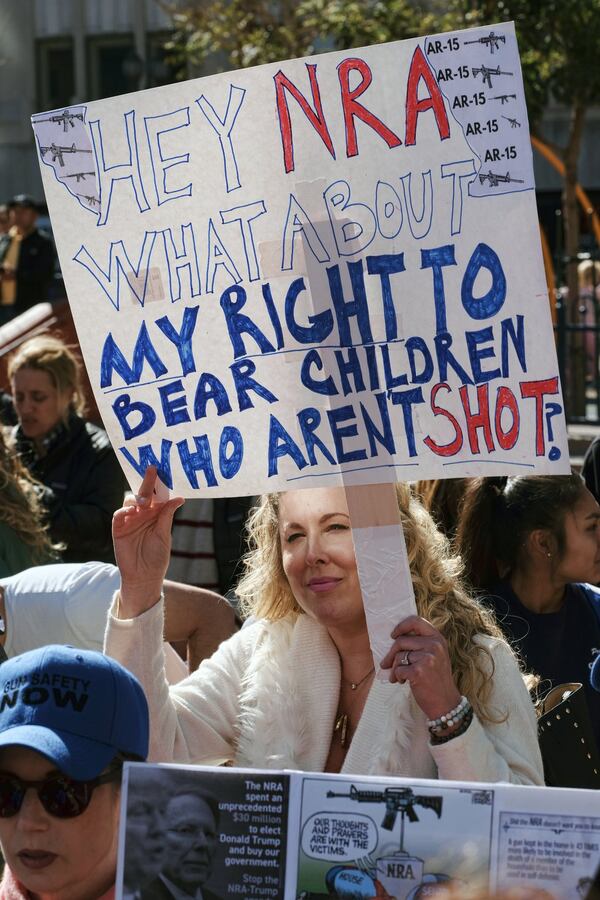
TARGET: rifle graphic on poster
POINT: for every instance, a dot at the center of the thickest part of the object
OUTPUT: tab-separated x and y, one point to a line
58	153
486	73
492	41
494	179
66	118
397	800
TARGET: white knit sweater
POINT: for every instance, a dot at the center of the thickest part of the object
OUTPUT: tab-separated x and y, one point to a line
268	699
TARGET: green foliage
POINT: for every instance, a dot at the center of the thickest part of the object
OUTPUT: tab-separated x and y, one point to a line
240	33
559	40
558	43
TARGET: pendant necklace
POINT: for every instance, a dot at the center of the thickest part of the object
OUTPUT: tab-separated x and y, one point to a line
342	719
354	685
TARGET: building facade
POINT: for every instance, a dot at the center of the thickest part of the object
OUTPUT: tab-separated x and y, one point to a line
54	53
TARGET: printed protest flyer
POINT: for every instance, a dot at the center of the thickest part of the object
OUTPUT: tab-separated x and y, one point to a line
553	845
356	834
222	831
249	834
321	271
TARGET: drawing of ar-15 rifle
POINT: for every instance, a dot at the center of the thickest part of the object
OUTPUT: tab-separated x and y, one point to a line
67	118
57	153
397	800
504	98
91	200
492	40
513	122
486	73
80	176
494	179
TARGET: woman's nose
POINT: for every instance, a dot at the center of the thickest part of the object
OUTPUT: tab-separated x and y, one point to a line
315	550
32	816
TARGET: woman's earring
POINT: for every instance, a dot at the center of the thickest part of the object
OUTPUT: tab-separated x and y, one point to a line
549	555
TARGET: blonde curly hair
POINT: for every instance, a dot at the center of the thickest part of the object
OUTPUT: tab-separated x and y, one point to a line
440	595
20	507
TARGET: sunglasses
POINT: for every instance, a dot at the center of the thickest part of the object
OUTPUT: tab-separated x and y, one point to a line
61	796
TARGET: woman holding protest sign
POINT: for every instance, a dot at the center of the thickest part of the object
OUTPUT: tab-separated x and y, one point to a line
531	544
297	689
82	481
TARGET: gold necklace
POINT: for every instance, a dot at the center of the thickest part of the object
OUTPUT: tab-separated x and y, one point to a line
342	719
354	685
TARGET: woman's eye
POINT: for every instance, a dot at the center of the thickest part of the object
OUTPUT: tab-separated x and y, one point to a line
292	537
338	526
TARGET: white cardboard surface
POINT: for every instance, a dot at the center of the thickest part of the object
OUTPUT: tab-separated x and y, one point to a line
317	272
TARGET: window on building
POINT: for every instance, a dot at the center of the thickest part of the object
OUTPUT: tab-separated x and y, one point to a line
55	74
108	72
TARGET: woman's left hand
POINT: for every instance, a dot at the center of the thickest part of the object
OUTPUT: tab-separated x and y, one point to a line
420	656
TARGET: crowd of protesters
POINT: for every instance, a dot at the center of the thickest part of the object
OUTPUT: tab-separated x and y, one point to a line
27	258
504	573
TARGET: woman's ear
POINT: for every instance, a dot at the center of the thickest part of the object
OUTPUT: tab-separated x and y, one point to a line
541	544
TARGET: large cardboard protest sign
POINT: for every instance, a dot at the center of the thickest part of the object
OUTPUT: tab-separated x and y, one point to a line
317	272
257	834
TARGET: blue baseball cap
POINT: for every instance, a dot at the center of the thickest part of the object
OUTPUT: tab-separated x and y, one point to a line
77	707
595	673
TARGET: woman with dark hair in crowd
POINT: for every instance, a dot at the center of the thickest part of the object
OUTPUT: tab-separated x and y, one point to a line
442	498
24	540
73	459
531	544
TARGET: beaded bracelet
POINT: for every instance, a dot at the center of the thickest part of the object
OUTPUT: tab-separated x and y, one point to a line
443	739
451	723
448	720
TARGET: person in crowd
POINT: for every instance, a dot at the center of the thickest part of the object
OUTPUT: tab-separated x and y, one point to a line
208	542
4	219
590	469
144	853
70	719
7	410
73	459
26	260
595	673
191	823
67	603
442	498
531	545
297	689
24	540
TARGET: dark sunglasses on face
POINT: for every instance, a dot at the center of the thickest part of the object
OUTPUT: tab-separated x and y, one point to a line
61	796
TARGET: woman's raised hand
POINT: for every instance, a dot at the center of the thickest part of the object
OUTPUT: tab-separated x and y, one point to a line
142	538
420	656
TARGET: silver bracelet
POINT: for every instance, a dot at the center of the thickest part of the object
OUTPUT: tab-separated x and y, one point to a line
450	719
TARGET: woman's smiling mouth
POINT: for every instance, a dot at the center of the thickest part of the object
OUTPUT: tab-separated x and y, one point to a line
320	585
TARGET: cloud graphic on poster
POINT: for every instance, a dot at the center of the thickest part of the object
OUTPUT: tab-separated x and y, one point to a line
339	837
